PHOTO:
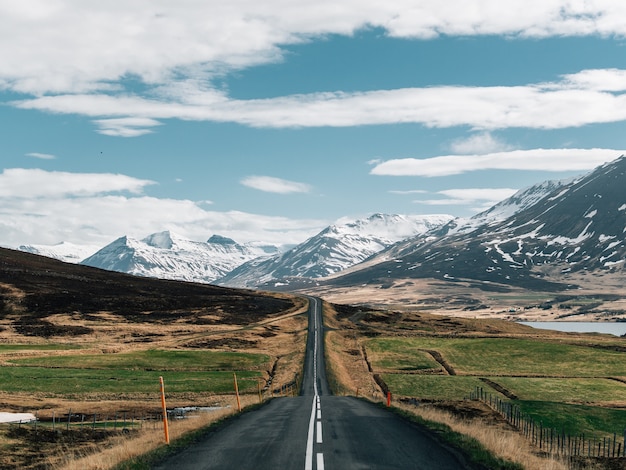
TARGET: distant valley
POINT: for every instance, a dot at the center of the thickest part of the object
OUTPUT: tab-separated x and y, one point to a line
553	236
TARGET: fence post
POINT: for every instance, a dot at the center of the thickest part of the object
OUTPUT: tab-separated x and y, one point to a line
165	427
237	392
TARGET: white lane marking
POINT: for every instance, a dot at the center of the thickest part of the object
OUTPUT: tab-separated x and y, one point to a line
319	414
320	461
308	464
319	432
315	348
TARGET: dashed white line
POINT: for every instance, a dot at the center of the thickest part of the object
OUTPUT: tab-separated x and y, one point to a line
308	465
320	461
319	432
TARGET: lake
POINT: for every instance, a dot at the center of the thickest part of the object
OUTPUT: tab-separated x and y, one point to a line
613	328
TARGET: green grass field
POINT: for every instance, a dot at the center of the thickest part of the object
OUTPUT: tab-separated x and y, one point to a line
432	387
502	356
155	360
575	420
598	391
68	381
136	372
561	386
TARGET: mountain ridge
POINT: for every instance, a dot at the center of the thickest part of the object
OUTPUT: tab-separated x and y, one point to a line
334	249
577	226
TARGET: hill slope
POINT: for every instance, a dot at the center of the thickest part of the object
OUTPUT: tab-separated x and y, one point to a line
577	226
332	250
40	296
166	255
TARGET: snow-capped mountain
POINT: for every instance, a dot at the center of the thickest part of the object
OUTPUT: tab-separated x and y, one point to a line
64	251
333	249
521	200
577	225
169	256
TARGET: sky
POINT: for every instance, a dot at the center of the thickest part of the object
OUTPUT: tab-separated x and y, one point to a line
267	120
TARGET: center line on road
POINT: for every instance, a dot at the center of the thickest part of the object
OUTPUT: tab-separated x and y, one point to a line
308	464
320	461
319	414
319	432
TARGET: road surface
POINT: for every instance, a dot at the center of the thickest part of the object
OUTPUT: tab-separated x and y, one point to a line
318	431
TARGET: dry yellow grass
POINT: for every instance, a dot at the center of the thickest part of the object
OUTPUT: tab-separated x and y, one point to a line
505	443
452	298
123	448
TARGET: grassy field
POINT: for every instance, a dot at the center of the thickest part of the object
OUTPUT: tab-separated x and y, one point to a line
600	391
135	372
500	356
154	359
565	386
432	387
67	381
576	420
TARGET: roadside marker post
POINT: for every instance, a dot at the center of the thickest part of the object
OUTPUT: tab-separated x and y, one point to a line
388	398
237	392
165	427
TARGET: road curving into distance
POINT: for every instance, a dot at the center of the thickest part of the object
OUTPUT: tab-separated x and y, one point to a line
317	431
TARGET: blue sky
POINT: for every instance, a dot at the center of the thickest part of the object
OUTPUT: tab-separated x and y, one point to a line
269	120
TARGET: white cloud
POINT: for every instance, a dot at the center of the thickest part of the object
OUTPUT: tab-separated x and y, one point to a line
479	144
36	183
410	191
480	198
77	46
95	211
129	64
574	101
613	80
126	127
537	159
479	194
270	184
41	156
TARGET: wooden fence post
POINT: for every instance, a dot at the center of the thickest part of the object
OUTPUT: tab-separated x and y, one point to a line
237	392
165	427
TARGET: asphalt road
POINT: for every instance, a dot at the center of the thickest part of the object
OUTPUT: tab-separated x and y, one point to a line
318	431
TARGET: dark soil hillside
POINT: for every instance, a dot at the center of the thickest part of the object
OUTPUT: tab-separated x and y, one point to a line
33	288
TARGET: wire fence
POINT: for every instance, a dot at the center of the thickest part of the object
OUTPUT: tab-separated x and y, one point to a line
551	440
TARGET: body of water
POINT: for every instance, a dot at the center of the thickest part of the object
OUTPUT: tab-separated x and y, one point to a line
612	328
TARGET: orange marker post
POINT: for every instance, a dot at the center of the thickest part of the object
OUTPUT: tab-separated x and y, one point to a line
165	427
388	398
237	392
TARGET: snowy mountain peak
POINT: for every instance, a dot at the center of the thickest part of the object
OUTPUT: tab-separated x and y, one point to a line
334	249
64	251
220	240
170	256
553	229
162	240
